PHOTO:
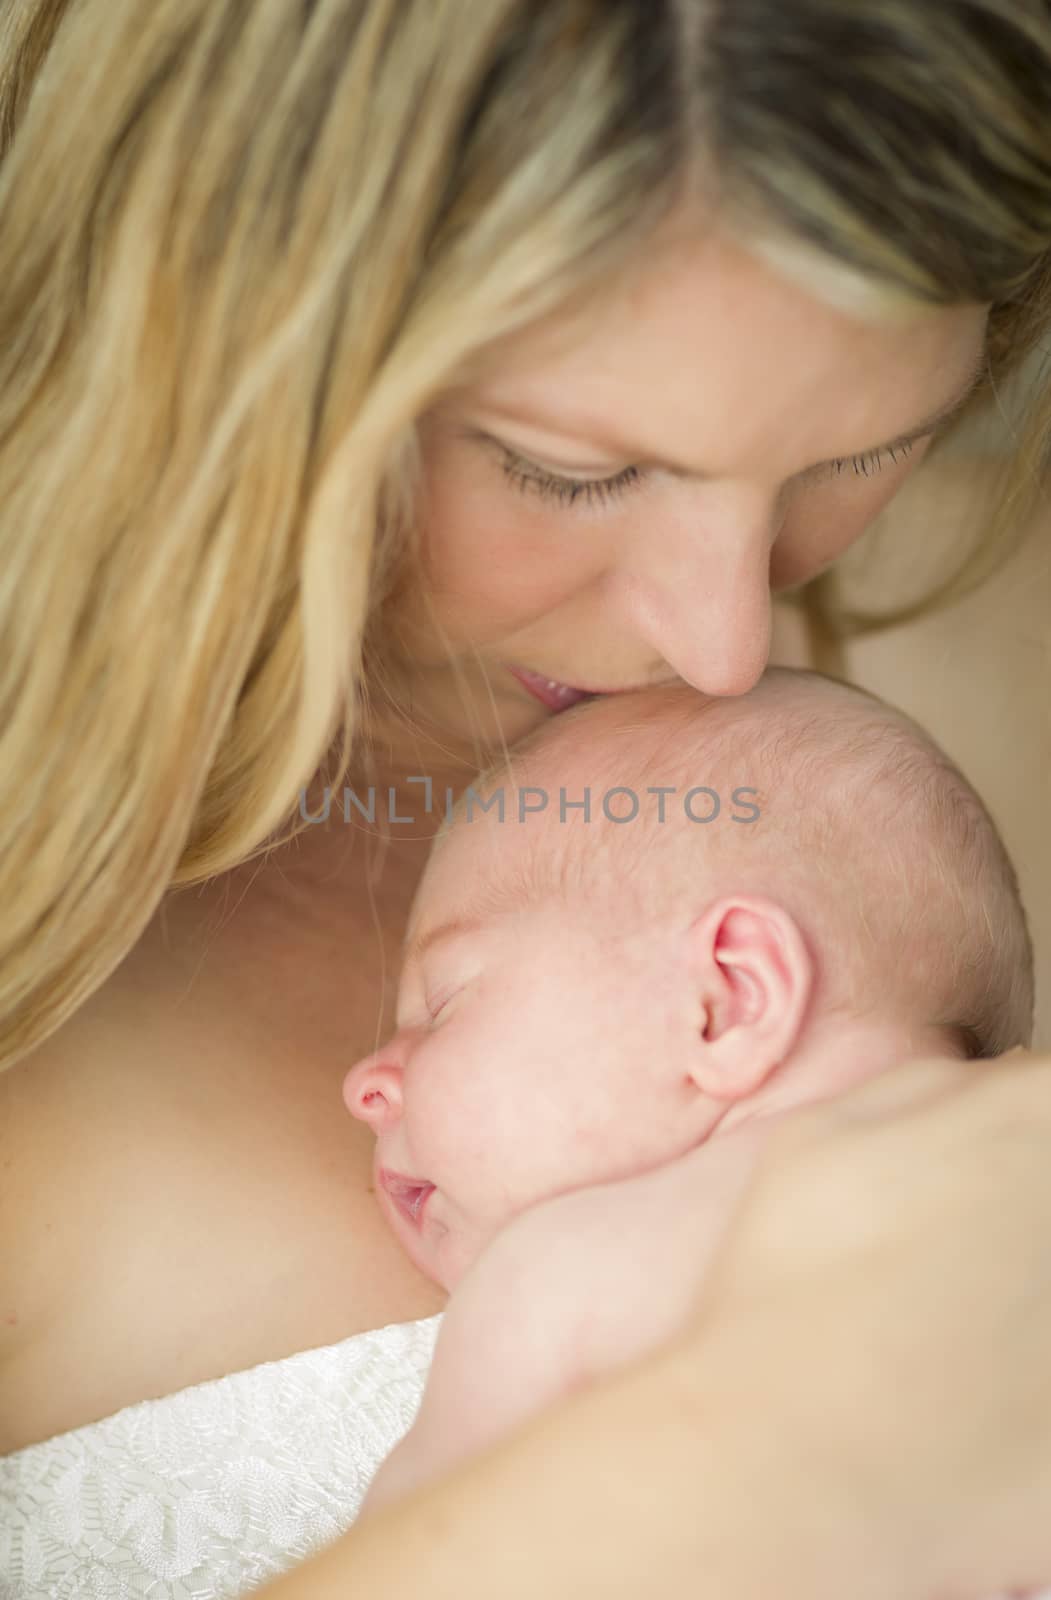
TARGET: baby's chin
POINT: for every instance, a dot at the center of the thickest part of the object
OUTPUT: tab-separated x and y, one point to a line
440	1251
451	1256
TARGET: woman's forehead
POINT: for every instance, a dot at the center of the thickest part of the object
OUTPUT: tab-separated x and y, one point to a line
705	361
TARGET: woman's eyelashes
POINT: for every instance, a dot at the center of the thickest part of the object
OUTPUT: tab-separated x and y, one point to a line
527	477
865	466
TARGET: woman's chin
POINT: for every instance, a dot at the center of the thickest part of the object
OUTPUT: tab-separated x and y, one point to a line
469	710
489	727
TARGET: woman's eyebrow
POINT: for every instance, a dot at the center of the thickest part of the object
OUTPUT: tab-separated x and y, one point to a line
583	428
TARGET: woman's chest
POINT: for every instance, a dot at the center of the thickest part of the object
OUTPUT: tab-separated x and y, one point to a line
186	1195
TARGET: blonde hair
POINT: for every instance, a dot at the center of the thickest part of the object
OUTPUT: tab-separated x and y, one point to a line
246	246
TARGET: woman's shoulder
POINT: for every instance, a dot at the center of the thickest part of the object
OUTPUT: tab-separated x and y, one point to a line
162	1225
183	1195
30	1232
32	1235
60	1245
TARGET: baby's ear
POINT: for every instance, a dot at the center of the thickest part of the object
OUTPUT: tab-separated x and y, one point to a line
752	976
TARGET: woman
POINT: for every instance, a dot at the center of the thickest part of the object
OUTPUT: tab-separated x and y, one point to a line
375	377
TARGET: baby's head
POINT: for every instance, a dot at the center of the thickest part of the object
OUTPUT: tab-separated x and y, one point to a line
583	999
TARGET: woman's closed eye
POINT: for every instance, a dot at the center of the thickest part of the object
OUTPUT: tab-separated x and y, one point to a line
528	477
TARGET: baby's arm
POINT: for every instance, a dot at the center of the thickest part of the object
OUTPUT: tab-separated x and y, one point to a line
573	1288
506	1349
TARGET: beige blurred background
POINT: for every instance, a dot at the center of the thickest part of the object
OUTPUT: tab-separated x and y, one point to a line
977	674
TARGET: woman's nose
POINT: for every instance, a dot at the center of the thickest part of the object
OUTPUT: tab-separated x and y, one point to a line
372	1092
699	595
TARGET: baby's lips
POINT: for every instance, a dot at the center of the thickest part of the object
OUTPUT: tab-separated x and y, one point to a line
410	1195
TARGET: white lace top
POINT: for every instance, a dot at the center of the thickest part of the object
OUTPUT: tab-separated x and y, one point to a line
214	1490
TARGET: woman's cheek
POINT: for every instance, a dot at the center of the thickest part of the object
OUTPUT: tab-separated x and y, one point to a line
480	578
476	525
826	520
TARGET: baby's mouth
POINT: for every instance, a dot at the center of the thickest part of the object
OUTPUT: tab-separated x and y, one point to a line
410	1195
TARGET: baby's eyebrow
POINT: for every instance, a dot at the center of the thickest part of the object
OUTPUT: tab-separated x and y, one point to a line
453	927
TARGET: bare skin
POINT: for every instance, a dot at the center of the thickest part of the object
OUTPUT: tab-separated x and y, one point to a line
219	1050
185	1128
255	994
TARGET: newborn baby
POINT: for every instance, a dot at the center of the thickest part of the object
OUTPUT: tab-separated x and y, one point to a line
588	1008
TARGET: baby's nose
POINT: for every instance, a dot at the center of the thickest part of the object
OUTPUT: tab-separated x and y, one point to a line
372	1092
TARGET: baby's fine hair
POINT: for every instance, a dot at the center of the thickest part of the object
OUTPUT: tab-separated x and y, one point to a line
917	865
871	837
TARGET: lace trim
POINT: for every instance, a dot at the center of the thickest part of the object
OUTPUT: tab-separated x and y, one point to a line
210	1491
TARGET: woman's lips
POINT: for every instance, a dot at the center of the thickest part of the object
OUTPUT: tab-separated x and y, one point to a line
409	1195
560	696
556	696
